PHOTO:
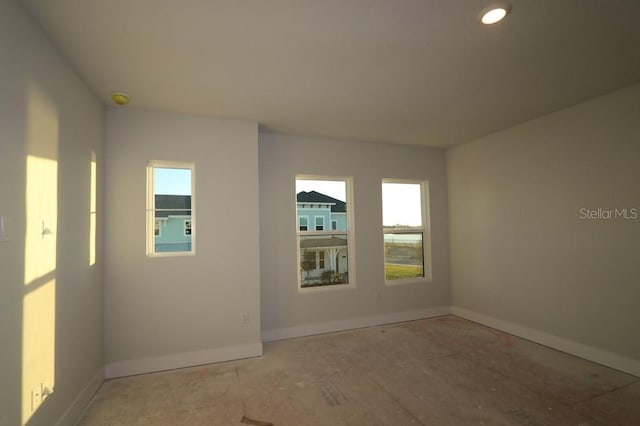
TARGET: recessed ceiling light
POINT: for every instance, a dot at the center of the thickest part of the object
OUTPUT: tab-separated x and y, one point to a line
494	14
120	98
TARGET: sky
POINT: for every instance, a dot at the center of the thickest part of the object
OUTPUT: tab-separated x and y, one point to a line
401	201
172	181
332	188
401	204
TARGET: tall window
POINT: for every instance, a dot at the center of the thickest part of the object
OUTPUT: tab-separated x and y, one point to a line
323	253
406	229
170	208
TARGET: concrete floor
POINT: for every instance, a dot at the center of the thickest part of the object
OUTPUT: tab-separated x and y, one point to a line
441	371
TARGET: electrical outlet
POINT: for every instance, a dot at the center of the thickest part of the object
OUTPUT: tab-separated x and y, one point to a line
244	318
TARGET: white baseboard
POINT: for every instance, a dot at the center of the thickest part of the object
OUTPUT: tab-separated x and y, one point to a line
181	360
600	356
352	323
77	407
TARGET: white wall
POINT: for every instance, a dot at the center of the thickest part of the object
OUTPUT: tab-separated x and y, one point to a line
47	114
168	312
286	312
522	258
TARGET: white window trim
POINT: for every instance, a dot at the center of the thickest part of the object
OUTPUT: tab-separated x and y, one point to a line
315	223
349	232
425	229
151	206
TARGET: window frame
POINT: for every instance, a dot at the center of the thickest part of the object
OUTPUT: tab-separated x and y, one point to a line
315	223
151	207
349	232
425	229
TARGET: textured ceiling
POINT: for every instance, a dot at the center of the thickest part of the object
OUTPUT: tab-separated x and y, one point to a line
421	72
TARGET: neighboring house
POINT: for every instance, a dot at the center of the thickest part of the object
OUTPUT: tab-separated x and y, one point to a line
173	223
322	222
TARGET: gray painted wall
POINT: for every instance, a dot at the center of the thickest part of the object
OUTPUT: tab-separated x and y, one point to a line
282	157
186	309
520	251
48	113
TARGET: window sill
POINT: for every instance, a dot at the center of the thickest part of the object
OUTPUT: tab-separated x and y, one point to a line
323	288
421	280
172	254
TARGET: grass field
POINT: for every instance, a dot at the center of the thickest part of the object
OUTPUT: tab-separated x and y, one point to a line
399	272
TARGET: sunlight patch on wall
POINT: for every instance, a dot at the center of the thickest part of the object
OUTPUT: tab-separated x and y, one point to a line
42	212
92	212
38	360
38	341
39	303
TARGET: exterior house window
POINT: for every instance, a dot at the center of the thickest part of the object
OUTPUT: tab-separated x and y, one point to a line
324	253
406	230
170	208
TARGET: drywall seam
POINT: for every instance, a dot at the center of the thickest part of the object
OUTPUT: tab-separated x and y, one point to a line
590	353
181	360
81	402
353	323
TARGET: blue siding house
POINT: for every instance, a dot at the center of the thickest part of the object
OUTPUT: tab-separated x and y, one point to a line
172	223
322	231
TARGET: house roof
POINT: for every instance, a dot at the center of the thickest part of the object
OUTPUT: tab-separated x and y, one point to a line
337	206
175	203
323	242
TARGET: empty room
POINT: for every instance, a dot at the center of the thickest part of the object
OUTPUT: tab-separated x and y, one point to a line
286	212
